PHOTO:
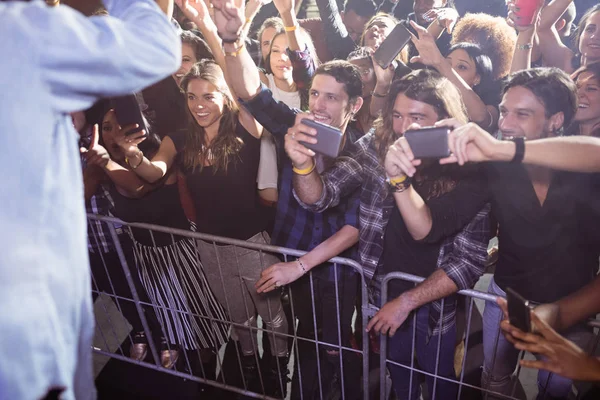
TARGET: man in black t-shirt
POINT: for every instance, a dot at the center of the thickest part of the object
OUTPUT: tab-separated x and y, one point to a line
547	246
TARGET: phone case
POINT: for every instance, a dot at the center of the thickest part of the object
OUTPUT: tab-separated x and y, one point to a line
392	46
428	142
128	112
329	139
518	310
526	9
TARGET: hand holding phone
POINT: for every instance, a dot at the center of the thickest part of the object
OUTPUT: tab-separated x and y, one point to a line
428	142
128	112
392	46
518	310
329	139
525	11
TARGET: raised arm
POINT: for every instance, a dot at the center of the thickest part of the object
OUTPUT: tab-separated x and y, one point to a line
338	40
429	54
553	50
127	51
526	39
469	143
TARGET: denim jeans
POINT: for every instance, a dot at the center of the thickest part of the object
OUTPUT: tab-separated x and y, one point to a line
500	356
400	350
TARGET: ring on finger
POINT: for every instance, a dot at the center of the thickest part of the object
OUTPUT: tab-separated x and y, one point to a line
294	135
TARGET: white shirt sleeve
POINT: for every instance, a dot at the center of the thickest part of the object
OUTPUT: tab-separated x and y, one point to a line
83	58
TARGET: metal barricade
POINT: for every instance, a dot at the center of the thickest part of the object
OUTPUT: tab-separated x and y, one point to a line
126	286
476	391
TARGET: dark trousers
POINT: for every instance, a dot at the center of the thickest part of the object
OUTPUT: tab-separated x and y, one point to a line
327	315
400	350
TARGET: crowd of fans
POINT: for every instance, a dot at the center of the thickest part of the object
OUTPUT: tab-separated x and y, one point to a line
223	154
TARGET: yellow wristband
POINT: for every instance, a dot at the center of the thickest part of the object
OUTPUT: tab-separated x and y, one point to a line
234	53
396	180
305	171
290	28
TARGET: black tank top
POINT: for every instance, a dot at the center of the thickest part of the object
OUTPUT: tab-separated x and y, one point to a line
159	207
227	202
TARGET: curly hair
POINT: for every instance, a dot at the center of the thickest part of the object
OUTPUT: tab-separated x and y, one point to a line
493	34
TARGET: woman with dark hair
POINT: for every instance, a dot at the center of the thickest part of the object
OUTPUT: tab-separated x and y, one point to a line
218	154
587	118
168	268
557	54
468	68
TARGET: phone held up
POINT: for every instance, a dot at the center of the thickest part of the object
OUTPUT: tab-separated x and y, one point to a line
525	10
392	46
128	112
328	138
518	310
428	142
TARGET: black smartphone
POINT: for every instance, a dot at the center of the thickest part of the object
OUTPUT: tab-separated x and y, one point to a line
128	112
518	310
328	138
429	142
392	46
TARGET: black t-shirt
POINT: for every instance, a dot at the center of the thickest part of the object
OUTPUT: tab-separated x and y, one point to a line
159	207
226	202
450	212
546	251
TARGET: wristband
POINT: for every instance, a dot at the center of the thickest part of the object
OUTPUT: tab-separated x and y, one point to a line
526	46
381	96
140	163
229	41
301	264
305	171
399	184
519	150
290	28
234	53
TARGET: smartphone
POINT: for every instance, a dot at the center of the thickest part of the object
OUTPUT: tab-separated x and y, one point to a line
518	310
128	112
429	142
525	11
328	138
392	46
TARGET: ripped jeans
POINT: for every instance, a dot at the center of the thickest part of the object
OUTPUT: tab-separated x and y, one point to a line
231	273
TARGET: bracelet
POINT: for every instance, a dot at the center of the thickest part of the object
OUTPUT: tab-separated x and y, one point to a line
140	163
381	96
399	184
234	53
305	171
290	28
230	41
519	149
301	264
526	46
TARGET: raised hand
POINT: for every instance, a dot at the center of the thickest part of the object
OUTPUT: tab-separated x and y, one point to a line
384	76
196	11
229	18
447	17
95	154
300	155
128	143
517	22
469	143
284	6
278	275
429	53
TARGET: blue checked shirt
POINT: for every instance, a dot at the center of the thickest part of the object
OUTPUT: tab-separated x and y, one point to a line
296	227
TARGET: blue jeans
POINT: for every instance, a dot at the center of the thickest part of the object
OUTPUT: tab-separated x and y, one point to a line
400	350
498	368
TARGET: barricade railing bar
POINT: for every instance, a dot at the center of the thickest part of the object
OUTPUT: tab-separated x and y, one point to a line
117	227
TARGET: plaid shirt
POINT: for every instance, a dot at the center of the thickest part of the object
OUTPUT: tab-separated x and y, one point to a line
99	237
463	258
294	226
361	171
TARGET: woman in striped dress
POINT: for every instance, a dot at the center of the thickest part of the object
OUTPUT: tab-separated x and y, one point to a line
168	265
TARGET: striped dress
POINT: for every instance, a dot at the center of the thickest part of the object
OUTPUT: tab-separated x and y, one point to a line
171	273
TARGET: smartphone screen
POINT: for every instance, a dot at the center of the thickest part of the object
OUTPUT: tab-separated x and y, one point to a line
518	310
128	112
392	46
429	142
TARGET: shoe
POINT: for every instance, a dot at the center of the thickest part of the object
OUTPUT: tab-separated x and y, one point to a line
277	379
139	348
169	354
